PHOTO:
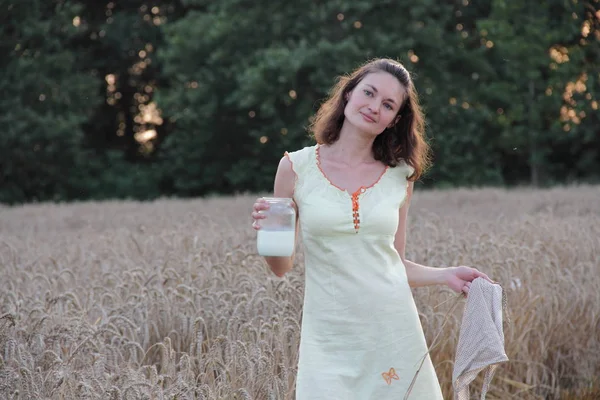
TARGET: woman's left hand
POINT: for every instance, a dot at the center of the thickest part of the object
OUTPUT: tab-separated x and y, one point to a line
459	278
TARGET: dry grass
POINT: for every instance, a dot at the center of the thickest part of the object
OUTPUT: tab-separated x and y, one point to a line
165	300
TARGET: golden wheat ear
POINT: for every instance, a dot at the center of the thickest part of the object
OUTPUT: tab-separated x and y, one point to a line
121	299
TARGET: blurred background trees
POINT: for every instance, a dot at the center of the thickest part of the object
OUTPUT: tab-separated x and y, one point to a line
139	98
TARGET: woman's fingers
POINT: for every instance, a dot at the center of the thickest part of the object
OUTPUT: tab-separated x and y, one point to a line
484	276
479	274
258	206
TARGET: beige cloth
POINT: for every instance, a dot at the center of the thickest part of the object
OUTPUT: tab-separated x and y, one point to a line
481	339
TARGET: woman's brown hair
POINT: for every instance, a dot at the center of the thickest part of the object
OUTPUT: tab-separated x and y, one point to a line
404	141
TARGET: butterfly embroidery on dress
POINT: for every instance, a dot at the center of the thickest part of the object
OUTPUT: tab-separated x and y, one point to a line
391	374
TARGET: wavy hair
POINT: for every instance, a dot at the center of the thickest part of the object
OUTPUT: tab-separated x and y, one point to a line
404	141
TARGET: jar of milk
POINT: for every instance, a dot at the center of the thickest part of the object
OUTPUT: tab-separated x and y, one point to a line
277	234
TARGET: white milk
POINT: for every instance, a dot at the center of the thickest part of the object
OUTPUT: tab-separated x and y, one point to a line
275	243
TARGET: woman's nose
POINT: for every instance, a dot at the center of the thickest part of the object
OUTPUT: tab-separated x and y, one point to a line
374	108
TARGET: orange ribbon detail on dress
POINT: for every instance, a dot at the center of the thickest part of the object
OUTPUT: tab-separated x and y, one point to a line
355	210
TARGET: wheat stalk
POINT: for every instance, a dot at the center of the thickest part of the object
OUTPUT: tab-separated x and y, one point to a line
178	305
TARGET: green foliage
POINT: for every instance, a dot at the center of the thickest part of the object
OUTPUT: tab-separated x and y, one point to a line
510	90
489	118
45	100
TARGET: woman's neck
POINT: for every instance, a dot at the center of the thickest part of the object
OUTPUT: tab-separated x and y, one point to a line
353	147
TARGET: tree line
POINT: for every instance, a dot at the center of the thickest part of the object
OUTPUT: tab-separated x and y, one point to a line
141	99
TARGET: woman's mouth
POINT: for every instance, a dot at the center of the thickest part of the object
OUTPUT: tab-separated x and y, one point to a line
367	118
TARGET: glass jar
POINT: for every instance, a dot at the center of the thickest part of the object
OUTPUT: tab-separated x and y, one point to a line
277	234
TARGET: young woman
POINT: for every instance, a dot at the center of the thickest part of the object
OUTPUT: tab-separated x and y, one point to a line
361	335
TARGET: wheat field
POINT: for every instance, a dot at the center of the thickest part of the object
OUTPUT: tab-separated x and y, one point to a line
168	299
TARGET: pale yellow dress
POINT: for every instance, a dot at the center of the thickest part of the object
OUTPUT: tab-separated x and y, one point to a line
361	336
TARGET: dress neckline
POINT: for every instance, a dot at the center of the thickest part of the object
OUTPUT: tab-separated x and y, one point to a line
360	190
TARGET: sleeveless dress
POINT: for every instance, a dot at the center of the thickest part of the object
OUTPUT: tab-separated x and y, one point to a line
361	337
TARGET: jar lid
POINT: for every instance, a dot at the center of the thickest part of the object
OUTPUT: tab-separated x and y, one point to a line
278	199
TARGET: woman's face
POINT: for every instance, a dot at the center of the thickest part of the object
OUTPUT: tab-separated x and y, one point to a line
374	103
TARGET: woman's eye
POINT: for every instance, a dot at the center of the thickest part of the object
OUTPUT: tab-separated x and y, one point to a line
389	107
367	92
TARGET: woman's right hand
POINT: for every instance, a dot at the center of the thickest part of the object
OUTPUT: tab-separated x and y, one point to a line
259	205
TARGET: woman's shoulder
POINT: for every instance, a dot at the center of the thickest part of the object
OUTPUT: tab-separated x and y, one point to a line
303	151
295	164
300	156
403	168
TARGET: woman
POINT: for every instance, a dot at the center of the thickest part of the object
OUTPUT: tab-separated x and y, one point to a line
361	335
